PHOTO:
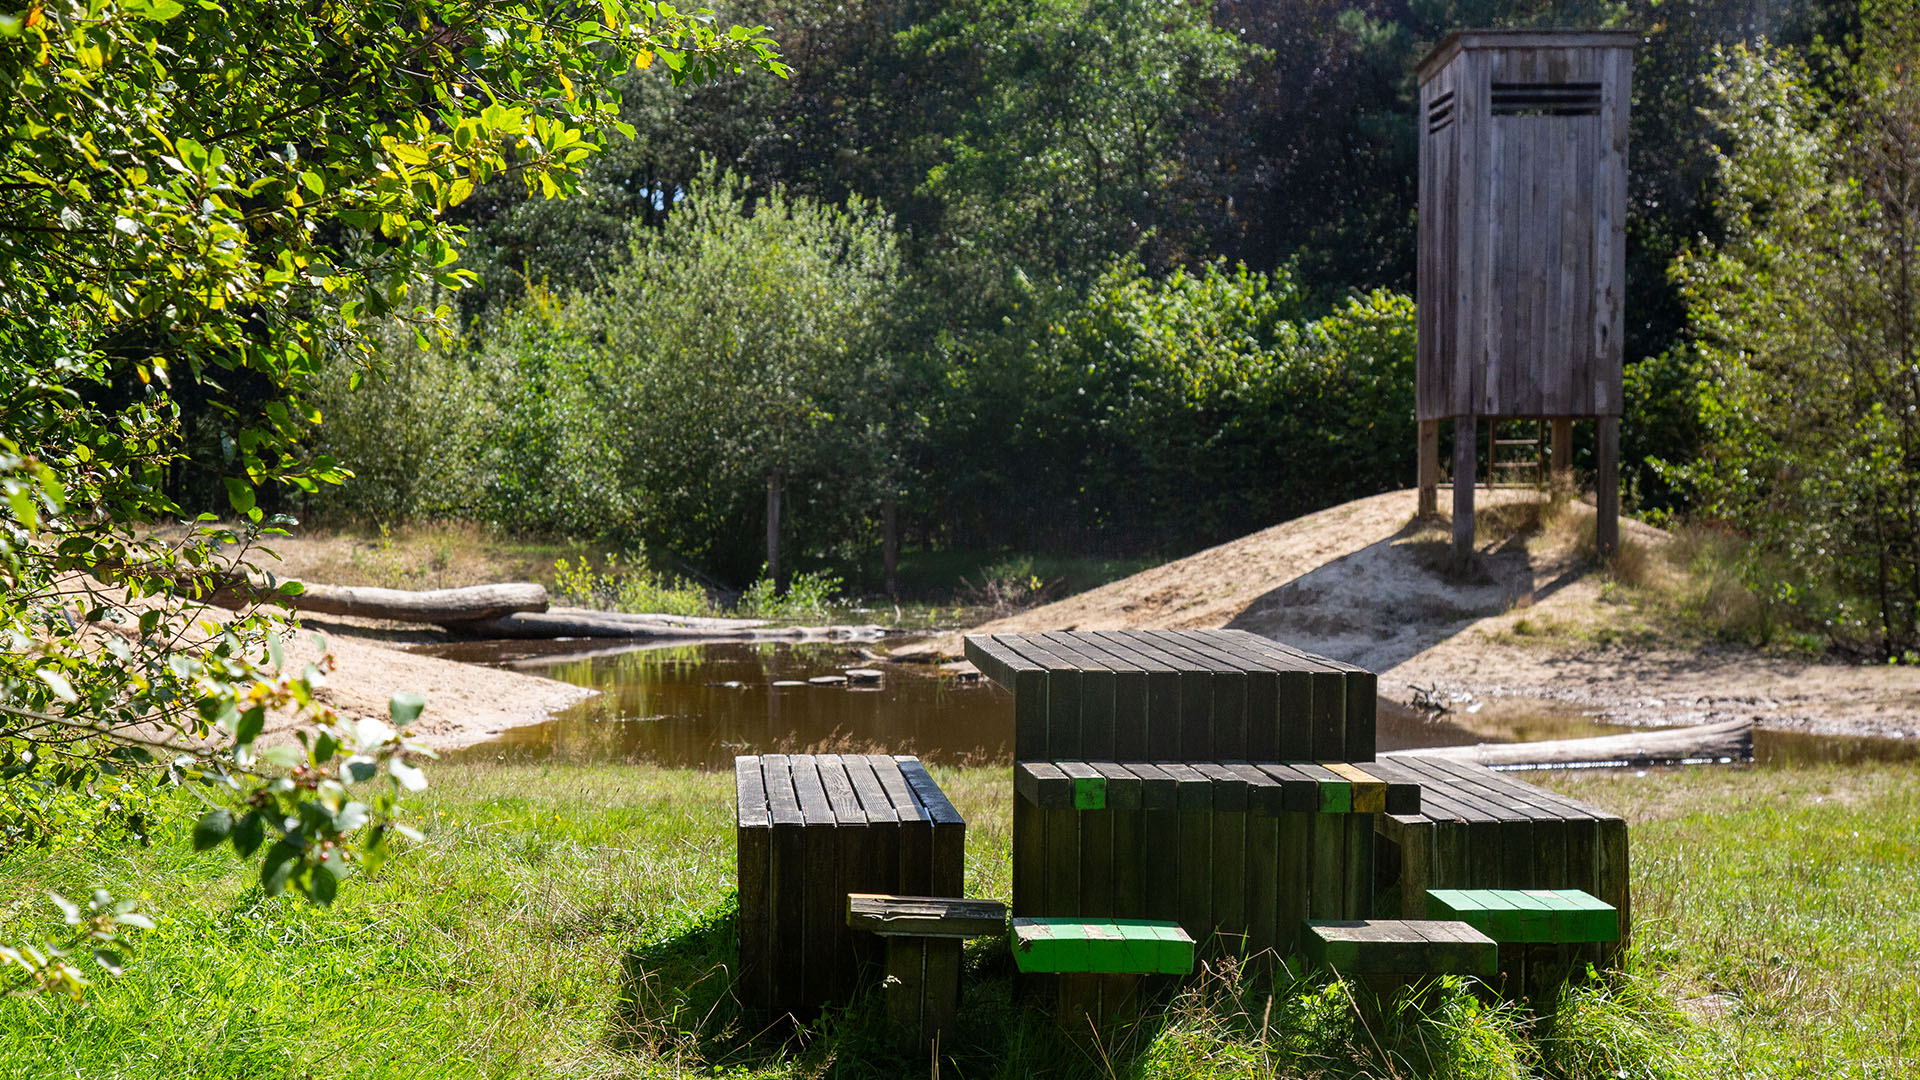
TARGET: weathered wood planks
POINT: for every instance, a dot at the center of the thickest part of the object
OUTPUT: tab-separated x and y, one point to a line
1401	947
810	829
1481	829
1238	854
1188	695
1522	200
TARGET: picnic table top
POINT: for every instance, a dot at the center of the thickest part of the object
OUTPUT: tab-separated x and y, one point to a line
1217	651
838	789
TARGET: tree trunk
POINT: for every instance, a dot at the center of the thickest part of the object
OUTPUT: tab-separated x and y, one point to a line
774	484
890	546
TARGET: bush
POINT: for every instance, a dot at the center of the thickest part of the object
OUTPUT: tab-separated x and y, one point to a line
808	596
629	585
1175	412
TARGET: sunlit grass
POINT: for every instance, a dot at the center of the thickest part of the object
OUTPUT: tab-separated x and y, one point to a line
576	921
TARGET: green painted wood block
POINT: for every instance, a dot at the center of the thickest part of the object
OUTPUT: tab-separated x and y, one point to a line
1401	947
1115	946
1529	916
1090	793
1336	793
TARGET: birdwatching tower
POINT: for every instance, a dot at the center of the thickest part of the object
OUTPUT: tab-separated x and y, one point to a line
1522	260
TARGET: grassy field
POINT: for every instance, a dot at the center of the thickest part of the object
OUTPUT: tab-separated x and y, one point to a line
575	922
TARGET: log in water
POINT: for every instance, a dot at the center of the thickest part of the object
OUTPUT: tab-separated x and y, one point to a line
1731	739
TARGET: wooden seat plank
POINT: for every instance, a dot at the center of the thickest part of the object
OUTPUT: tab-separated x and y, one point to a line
1400	947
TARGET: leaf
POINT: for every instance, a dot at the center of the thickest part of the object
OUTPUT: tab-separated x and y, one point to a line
285	756
351	816
135	919
69	911
324	883
212	830
239	494
405	707
108	959
57	682
282	858
406	775
249	726
248	833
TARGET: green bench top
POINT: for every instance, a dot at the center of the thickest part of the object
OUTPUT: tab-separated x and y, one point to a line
1532	916
1401	947
1102	946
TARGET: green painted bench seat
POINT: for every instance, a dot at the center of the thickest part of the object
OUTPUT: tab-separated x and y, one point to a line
1101	946
1529	916
1403	947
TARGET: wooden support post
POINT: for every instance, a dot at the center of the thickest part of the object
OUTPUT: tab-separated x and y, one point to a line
1606	487
1466	454
1562	449
1429	468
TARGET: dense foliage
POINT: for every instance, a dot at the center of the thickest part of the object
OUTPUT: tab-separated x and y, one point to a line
203	203
1807	318
1026	159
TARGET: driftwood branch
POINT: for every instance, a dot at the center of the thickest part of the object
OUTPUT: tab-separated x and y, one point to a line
584	622
1658	746
440	606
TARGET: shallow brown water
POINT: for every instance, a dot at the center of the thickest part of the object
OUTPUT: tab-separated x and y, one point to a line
697	705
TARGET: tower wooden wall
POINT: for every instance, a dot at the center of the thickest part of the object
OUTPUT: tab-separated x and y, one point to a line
1522	260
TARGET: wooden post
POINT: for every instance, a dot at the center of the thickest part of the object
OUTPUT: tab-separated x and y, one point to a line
773	529
1606	487
1466	453
890	545
1562	449
1429	468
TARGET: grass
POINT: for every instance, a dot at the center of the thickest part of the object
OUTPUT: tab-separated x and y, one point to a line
575	922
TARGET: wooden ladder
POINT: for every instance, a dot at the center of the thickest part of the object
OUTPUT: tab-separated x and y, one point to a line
1517	453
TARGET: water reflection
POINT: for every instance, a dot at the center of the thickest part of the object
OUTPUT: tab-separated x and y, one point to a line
699	705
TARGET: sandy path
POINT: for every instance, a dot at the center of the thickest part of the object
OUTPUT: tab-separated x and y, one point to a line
466	703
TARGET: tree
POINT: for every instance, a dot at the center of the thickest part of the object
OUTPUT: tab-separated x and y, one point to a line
744	358
208	200
1065	158
1806	326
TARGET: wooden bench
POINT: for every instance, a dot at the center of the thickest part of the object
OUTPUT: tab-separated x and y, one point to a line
1478	828
1401	948
811	829
923	936
1238	854
1099	963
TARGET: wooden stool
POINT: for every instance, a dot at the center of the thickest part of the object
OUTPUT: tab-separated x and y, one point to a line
1099	964
1537	930
1401	948
923	936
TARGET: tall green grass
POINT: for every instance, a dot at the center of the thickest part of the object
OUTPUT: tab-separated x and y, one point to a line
576	922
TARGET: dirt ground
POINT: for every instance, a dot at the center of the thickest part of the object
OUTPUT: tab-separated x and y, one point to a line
1367	584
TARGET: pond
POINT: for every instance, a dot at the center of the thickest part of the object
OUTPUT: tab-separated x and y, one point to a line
697	705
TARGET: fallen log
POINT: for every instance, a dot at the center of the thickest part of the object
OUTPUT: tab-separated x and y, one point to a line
586	623
444	607
1729	739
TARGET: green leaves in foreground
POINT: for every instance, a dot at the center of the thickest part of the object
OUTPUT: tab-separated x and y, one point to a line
96	932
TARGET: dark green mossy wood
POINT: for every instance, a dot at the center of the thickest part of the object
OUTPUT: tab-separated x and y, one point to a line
811	829
1401	947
